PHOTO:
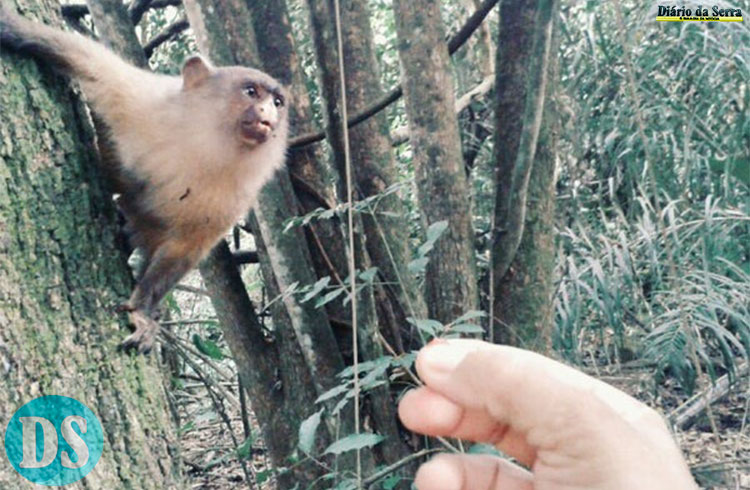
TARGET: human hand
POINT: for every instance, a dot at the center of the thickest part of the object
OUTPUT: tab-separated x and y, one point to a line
571	430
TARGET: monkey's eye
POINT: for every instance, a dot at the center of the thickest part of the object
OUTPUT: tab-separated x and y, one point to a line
251	91
278	101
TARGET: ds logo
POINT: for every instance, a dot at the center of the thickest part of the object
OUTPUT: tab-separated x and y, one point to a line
54	440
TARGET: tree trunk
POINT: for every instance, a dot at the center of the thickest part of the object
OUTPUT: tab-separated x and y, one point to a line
281	393
61	274
521	283
524	299
442	187
309	172
385	224
370	149
303	332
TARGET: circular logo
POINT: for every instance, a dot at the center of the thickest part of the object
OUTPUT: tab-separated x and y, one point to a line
54	440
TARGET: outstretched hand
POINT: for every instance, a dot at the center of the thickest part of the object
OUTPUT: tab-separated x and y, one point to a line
571	430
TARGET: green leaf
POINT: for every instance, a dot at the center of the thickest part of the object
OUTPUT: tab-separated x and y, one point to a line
263	476
316	288
332	393
391	482
436	229
433	233
470	315
467	328
353	442
418	266
207	347
307	430
405	361
369	274
366	366
373	376
329	297
426	325
245	450
738	170
186	428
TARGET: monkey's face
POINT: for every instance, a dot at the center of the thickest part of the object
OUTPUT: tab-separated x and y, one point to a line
263	111
248	103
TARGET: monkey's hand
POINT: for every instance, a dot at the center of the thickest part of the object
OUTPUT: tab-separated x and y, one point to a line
144	336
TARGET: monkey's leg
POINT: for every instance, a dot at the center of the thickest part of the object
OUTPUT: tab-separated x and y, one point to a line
163	272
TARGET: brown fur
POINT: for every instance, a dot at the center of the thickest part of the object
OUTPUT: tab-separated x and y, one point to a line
193	150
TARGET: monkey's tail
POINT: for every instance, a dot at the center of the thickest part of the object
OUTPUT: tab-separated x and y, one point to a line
73	53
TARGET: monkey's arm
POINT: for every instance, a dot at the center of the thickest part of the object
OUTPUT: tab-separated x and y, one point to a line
163	271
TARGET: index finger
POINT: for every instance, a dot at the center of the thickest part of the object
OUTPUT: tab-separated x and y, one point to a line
473	372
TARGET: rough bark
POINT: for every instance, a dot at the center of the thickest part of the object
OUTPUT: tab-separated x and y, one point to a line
60	276
523	258
303	331
386	227
371	156
310	174
277	390
442	187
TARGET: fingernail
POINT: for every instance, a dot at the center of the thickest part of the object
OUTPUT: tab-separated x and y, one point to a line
439	359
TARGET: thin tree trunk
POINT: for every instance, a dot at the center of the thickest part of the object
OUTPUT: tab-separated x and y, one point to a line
304	333
521	283
442	187
280	392
385	224
61	274
371	155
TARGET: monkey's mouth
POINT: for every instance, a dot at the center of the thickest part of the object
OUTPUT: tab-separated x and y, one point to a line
255	131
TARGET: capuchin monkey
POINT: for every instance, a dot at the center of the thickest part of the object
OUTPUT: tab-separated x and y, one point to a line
192	151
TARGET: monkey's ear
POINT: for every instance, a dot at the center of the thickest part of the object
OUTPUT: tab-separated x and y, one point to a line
195	71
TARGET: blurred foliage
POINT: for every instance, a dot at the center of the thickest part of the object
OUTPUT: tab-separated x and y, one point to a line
654	215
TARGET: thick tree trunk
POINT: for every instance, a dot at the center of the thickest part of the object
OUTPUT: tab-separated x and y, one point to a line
61	274
523	258
442	186
280	392
524	299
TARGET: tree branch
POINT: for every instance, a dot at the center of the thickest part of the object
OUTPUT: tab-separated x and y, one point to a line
135	10
165	35
245	257
684	415
454	43
401	135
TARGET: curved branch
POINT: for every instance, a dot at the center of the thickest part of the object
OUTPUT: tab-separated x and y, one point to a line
136	9
401	135
165	35
454	43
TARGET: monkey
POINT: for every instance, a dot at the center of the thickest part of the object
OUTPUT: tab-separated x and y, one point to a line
193	151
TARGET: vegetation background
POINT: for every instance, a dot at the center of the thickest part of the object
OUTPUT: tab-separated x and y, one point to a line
567	176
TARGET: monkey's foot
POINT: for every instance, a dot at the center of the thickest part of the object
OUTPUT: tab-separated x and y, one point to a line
144	336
